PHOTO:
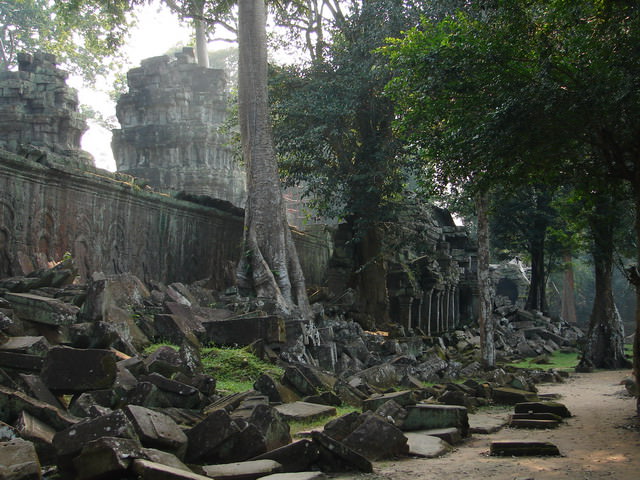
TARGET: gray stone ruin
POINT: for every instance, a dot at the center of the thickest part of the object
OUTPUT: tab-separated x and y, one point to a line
39	112
170	129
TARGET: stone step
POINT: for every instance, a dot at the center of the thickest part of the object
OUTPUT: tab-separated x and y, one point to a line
428	417
304	411
543	407
520	448
529	423
536	416
250	470
426	446
513	396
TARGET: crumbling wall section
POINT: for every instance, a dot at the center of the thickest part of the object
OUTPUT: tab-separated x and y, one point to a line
108	223
170	132
38	111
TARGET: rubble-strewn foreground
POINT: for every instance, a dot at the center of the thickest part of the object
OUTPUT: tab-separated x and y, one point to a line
79	399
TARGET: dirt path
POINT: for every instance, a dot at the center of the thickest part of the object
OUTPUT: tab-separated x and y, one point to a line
601	440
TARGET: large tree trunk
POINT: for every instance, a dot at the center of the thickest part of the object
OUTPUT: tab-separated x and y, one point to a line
537	299
604	344
485	311
369	279
269	264
568	313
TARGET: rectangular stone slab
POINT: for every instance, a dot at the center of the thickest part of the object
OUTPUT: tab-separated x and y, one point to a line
42	309
530	423
426	446
250	470
543	407
304	411
147	470
523	448
427	417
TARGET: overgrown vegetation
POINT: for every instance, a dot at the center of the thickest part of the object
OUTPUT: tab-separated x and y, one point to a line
558	360
235	369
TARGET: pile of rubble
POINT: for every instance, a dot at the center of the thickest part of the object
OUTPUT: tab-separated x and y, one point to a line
78	397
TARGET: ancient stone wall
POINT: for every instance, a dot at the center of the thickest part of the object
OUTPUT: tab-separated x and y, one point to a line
108	224
38	112
170	129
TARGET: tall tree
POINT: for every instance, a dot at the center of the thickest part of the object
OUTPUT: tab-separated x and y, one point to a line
333	134
520	218
84	40
270	265
604	343
542	87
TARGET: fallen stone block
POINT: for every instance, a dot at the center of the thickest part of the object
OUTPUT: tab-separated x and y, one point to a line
157	430
69	442
421	444
26	344
42	309
71	370
272	425
275	390
147	470
295	377
340	427
248	442
324	398
148	395
166	361
21	361
336	457
305	412
13	402
92	404
165	458
19	461
179	394
206	436
296	456
512	396
376	439
106	457
38	432
383	376
37	389
428	417
249	470
349	395
543	407
536	416
533	423
392	413
520	448
450	435
402	398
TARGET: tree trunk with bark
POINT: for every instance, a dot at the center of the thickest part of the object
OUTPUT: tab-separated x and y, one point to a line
485	320
568	313
369	279
604	344
269	264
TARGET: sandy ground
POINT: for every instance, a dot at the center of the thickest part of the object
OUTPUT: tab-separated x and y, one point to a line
601	440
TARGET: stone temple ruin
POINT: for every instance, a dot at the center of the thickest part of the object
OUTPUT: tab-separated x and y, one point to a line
95	266
170	140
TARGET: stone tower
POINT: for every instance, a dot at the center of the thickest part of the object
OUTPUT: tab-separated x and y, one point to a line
169	133
39	112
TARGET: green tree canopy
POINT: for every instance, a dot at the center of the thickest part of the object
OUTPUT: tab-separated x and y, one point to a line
84	39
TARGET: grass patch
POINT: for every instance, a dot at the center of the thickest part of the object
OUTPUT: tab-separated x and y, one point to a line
297	426
235	369
558	360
